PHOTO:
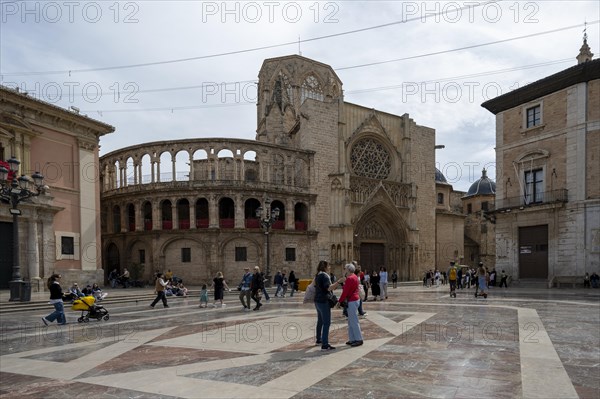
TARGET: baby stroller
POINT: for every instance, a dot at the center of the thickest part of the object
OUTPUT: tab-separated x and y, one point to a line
88	307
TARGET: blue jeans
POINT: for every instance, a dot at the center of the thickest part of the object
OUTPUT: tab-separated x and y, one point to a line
58	314
323	322
354	333
265	293
279	288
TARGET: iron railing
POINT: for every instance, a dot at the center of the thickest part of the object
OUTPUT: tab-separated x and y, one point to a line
548	197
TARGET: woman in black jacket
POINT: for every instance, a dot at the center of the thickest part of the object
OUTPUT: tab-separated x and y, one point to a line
56	298
323	286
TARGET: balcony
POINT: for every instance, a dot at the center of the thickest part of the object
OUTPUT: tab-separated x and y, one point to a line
521	202
227	223
201	223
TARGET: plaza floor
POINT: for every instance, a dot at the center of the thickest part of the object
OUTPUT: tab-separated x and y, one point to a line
517	343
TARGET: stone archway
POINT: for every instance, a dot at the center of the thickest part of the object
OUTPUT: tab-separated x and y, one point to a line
381	240
113	260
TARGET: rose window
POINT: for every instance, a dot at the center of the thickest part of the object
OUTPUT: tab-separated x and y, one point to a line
369	158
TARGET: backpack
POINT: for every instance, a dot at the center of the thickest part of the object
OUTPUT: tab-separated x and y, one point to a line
452	274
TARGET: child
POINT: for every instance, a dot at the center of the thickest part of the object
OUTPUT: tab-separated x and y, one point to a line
203	297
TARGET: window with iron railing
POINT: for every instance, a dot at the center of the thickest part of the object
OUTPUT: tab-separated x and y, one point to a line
534	186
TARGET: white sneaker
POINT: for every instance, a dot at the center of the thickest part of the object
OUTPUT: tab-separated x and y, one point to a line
45	321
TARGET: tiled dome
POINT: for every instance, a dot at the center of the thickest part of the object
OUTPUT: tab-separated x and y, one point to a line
439	177
483	186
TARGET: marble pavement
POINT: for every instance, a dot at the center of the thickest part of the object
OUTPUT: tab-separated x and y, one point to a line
517	343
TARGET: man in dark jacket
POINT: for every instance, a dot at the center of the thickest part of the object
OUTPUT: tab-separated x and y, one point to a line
256	287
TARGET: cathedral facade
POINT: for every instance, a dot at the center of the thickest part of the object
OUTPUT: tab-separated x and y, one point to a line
348	182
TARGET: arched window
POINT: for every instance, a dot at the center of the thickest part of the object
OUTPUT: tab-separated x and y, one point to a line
311	88
280	222
166	211
300	216
147	207
183	214
202	213
116	219
226	213
131	217
440	198
250	219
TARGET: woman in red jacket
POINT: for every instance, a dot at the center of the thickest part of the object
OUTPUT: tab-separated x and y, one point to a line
350	292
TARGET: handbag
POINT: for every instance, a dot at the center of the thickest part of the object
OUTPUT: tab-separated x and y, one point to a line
361	292
332	299
309	294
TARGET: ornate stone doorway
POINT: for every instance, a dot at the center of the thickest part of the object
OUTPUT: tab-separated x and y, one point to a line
381	240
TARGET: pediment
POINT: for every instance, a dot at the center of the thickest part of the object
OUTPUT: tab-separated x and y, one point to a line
14	121
532	155
371	124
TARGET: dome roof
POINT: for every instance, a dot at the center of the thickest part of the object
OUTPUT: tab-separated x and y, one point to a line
483	186
439	177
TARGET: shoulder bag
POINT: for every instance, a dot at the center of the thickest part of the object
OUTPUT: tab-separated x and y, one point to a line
309	294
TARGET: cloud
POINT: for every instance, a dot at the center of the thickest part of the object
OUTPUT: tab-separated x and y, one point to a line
440	91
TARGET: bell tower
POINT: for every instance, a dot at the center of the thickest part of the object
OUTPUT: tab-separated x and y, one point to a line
286	85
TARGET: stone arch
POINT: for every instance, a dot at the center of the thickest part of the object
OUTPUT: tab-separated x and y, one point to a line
112	258
182	165
380	223
146	169
231	268
191	273
130	256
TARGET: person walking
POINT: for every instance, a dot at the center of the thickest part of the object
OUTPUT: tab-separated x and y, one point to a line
293	281
159	287
482	276
503	278
366	284
375	287
452	278
245	288
323	286
219	285
278	281
350	293
383	282
204	296
394	279
256	287
56	299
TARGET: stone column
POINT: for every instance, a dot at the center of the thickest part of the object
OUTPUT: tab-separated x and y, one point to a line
239	212
213	211
192	214
174	214
33	254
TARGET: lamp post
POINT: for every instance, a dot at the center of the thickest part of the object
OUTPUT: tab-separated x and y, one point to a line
267	217
19	189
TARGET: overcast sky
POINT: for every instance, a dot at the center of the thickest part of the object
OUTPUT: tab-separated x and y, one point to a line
442	62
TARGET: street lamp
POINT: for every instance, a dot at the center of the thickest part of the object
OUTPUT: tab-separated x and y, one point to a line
19	189
267	217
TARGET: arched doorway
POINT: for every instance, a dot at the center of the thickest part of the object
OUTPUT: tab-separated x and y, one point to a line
380	239
112	260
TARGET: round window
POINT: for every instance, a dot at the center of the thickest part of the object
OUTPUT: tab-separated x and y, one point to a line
369	158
